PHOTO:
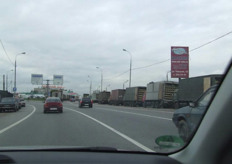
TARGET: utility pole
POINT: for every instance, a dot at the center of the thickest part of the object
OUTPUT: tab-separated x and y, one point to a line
4	82
47	86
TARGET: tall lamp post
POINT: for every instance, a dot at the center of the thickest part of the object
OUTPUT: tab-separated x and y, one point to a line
90	87
15	72
130	66
101	77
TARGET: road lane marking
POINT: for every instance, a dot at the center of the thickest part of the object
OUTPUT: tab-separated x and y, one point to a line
139	114
137	109
115	131
18	122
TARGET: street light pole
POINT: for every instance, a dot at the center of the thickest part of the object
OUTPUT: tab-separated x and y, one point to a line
15	72
124	83
130	66
101	77
90	87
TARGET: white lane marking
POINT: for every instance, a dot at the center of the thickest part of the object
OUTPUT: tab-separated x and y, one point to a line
18	122
139	109
115	131
139	114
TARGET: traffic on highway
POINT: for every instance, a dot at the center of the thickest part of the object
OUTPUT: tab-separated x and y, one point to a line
124	128
128	78
136	124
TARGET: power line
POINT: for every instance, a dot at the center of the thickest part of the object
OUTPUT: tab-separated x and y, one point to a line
151	64
170	59
6	53
211	41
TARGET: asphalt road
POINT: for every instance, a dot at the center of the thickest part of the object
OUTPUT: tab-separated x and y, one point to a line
124	128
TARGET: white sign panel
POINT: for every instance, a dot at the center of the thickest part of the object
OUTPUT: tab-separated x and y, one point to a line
58	80
37	79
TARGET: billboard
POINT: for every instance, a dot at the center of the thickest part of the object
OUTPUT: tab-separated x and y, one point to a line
179	62
57	79
37	79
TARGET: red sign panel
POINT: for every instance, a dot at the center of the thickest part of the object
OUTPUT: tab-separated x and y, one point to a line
179	62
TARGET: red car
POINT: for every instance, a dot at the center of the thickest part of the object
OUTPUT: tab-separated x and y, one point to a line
53	104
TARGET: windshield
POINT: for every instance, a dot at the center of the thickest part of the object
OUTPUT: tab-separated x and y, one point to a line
142	64
10	99
53	100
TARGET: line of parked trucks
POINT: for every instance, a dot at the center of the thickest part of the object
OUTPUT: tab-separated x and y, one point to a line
162	94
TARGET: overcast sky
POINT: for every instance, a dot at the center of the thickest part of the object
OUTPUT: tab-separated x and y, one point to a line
72	38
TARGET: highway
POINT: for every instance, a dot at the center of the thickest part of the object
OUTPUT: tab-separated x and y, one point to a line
124	128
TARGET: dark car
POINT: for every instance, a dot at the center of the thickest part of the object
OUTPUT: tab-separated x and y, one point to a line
86	102
188	118
9	103
53	104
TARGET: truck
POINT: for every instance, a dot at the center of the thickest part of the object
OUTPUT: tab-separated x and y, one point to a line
134	96
95	96
103	97
116	97
160	94
85	95
190	89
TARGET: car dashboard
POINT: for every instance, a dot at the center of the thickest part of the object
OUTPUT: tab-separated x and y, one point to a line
62	156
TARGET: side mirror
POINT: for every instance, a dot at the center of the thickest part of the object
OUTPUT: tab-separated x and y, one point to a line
192	104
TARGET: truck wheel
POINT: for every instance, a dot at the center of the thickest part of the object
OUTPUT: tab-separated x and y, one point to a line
156	104
183	130
176	105
144	105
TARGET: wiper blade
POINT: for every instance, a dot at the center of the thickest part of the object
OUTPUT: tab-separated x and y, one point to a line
60	148
97	148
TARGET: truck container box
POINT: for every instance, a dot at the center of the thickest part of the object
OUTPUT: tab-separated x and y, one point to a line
134	96
190	89
160	94
103	97
116	97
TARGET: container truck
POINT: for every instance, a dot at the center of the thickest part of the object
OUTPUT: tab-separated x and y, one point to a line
134	96
103	97
116	97
190	89
95	96
160	94
85	95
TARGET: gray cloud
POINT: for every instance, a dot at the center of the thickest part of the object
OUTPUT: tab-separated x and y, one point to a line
72	38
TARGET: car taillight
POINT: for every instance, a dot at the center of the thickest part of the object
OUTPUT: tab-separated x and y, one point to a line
60	104
80	101
91	101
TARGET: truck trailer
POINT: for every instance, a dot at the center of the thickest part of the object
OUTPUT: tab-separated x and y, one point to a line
160	94
103	97
190	89
134	96
116	97
95	96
